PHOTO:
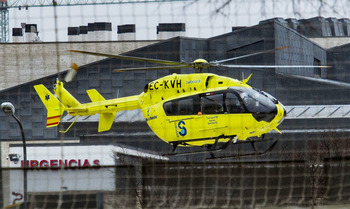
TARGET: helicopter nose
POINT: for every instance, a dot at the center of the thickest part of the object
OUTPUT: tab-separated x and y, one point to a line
284	110
282	113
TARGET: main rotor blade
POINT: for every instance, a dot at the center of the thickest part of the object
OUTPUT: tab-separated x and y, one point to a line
274	66
140	59
154	68
319	80
248	55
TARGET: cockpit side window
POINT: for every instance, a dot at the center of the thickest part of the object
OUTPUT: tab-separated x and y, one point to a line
212	104
233	104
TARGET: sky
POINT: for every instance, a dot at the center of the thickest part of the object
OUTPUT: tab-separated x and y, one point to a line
203	18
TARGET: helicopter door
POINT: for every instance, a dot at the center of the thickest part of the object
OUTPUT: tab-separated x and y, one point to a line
213	109
233	104
182	116
212	103
225	114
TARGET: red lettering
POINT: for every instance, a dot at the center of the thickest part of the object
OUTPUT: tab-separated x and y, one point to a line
53	163
96	162
63	165
71	162
27	163
44	163
86	163
34	163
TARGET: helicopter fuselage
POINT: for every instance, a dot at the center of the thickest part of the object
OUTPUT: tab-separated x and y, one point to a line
189	110
197	109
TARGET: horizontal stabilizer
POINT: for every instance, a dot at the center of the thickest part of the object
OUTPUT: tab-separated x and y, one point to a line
106	121
95	96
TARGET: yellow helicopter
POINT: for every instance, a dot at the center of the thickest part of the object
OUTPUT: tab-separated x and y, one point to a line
200	109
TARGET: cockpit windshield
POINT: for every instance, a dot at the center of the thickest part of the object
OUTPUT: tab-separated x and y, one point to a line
261	104
254	100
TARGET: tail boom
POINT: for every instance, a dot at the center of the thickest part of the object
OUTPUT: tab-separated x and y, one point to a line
107	109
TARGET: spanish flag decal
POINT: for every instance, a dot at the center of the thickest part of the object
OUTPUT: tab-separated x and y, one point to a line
53	121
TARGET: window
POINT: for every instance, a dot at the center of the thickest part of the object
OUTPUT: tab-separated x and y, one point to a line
317	70
256	102
215	103
183	106
169	108
212	104
233	104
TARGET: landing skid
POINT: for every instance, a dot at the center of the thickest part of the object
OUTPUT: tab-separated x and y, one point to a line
211	149
255	153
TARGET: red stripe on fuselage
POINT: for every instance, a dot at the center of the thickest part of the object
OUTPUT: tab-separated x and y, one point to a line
57	116
50	124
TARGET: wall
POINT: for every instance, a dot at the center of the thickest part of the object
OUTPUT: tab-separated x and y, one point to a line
24	62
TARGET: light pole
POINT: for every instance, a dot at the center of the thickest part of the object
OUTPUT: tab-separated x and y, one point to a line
9	109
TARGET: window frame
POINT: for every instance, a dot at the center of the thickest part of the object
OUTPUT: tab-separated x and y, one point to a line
197	104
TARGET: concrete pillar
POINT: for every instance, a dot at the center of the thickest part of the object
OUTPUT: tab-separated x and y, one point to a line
83	32
91	32
293	23
346	26
73	34
103	31
30	32
126	32
17	35
315	27
275	19
170	30
336	26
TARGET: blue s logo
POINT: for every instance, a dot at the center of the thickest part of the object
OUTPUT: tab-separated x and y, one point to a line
181	126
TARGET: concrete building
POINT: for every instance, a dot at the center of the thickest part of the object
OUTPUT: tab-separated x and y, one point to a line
23	63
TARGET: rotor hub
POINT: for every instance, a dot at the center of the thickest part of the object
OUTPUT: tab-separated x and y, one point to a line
200	64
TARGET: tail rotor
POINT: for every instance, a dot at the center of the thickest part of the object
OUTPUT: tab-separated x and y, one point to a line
71	73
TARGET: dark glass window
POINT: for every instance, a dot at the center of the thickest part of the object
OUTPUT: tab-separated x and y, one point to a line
234	100
185	106
317	62
233	104
168	107
212	104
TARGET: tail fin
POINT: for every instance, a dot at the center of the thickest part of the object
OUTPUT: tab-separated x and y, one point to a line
106	121
53	106
64	96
